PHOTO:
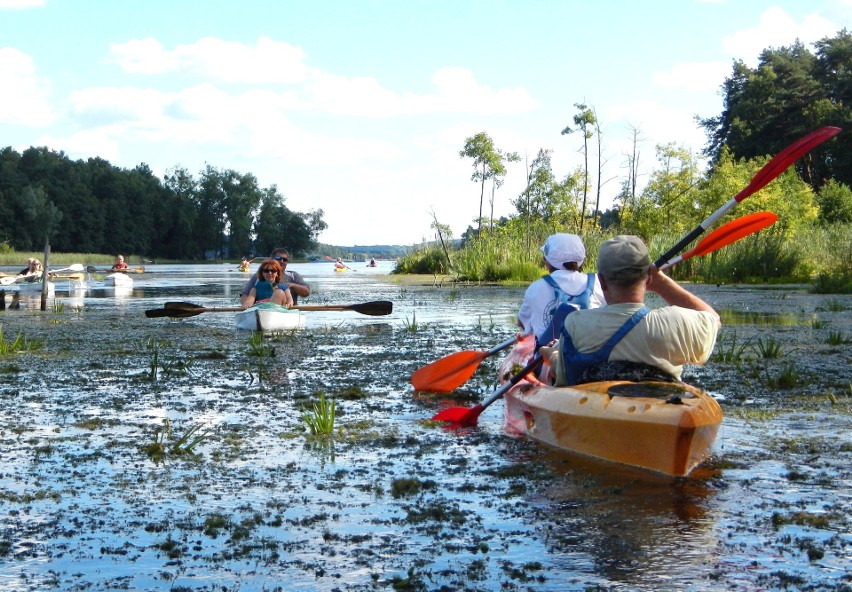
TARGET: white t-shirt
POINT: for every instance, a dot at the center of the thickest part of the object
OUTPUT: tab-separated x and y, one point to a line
667	337
540	298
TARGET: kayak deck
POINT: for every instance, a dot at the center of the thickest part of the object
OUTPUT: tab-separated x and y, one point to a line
665	427
267	316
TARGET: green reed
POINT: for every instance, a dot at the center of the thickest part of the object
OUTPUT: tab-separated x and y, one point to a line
769	348
19	344
319	418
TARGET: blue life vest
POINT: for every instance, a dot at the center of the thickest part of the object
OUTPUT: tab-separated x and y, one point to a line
575	362
263	290
565	305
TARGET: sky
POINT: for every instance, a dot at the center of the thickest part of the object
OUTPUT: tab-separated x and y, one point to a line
360	107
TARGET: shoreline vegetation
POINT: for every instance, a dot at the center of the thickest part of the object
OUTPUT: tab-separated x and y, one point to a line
820	256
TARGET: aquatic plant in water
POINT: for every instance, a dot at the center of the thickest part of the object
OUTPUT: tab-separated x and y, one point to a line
319	418
185	445
19	344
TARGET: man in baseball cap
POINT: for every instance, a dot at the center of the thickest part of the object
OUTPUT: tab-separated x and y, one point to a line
626	340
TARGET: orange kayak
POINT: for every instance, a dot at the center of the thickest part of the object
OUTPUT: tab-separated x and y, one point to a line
664	427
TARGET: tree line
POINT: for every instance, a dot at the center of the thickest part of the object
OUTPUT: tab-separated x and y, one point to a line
91	206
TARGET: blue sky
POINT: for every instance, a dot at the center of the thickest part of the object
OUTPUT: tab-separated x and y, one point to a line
361	107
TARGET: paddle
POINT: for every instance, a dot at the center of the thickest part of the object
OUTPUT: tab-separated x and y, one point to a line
11	279
468	415
770	170
93	269
74	267
727	234
722	236
452	371
180	310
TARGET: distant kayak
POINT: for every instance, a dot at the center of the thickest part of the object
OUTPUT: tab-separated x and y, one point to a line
341	269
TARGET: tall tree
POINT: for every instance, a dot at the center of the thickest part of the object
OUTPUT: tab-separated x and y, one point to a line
790	93
585	121
487	162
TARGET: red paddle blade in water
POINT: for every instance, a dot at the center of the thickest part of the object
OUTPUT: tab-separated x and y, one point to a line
449	373
460	415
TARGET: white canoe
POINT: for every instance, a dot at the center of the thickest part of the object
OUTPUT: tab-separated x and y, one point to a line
267	316
118	280
34	287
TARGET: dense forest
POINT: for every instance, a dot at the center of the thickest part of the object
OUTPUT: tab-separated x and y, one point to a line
94	207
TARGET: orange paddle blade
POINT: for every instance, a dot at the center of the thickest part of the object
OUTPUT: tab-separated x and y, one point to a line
731	232
449	373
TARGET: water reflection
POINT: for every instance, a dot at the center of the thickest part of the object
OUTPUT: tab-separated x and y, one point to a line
623	524
746	317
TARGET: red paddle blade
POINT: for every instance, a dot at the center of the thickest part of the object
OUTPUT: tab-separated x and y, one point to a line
785	158
465	416
732	232
449	373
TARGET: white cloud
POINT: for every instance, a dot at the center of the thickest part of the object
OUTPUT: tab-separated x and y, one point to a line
776	29
267	62
24	98
85	144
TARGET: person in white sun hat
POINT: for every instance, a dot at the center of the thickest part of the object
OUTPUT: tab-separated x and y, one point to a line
563	289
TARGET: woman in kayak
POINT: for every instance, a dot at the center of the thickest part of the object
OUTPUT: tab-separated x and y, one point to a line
268	287
32	272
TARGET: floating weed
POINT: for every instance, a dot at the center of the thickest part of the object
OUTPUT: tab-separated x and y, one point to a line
755	415
453	295
820	521
353	393
837	338
319	418
819	324
769	348
408	486
164	443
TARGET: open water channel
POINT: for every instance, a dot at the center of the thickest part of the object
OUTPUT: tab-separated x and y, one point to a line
394	502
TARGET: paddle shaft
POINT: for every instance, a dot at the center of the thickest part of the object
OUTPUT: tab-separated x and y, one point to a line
531	367
779	163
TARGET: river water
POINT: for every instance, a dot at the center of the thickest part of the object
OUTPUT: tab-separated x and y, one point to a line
394	501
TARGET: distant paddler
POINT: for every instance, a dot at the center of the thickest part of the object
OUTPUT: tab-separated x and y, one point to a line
120	264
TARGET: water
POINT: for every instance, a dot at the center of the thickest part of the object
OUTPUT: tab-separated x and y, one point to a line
392	501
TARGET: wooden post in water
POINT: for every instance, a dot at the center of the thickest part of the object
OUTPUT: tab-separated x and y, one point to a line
44	276
2	299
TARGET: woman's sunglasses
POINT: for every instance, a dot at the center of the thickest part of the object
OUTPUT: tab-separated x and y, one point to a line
270	270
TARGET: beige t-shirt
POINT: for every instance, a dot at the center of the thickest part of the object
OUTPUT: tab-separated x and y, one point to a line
667	337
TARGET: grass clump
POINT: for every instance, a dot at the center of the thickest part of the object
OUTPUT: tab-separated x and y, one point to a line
19	344
319	417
